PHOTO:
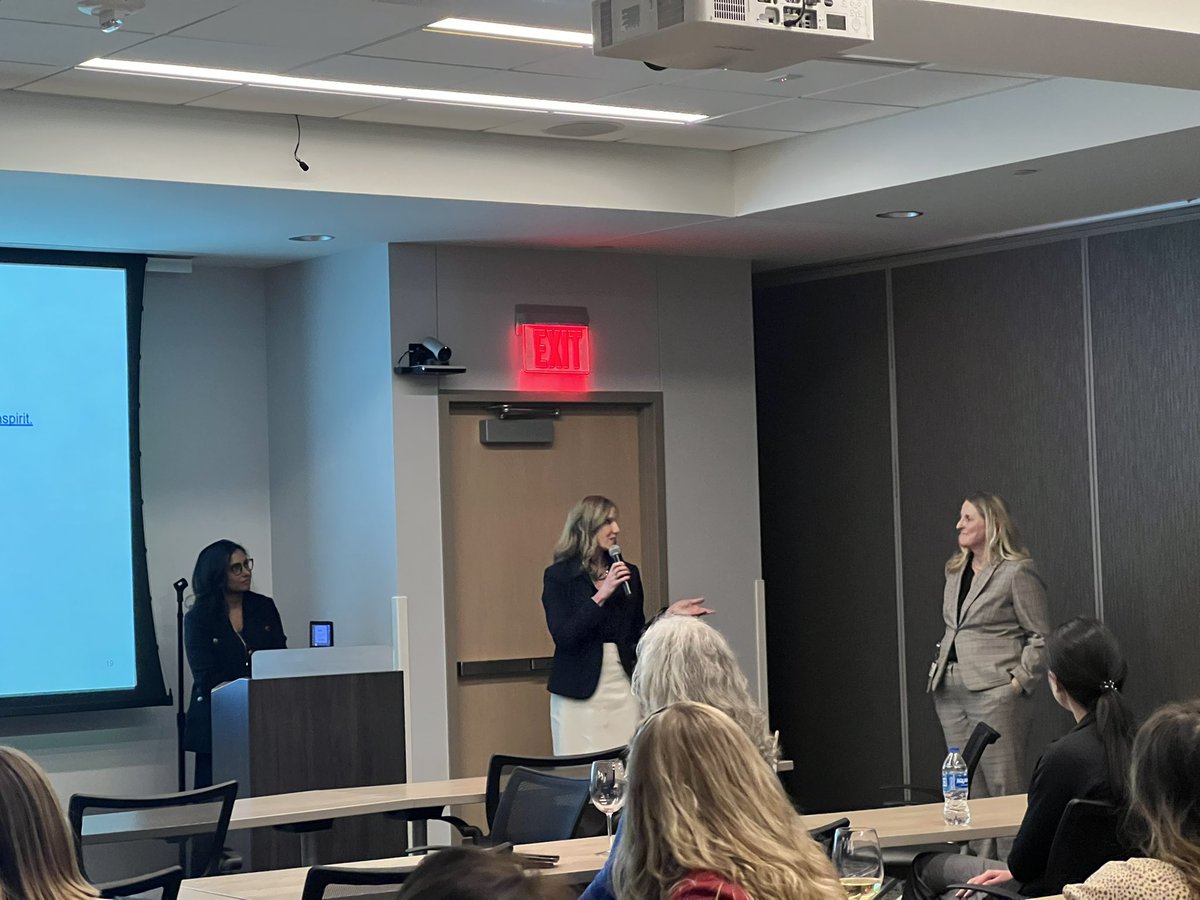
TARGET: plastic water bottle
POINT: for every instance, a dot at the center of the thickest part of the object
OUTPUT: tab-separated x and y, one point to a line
955	810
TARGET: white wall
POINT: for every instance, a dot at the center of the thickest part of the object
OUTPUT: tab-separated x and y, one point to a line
679	326
204	476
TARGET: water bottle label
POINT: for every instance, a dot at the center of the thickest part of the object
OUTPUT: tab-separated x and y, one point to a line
954	781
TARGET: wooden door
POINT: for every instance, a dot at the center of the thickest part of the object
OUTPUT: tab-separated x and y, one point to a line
503	510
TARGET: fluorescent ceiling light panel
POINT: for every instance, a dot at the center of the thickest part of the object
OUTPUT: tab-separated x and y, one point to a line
478	28
388	92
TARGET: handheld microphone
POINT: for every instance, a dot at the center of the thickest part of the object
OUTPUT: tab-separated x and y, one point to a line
614	553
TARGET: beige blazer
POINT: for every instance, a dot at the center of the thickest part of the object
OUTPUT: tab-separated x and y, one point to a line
1001	633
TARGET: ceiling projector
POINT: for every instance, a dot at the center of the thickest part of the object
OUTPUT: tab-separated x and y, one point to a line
743	35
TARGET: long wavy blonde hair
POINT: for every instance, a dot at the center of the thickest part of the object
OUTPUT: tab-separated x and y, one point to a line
683	658
1165	785
578	539
1003	540
37	850
700	799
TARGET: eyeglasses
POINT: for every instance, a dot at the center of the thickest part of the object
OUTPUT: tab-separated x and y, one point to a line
240	567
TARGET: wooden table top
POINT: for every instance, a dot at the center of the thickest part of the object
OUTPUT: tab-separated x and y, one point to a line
580	860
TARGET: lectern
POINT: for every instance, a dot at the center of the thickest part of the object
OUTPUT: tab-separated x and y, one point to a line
278	735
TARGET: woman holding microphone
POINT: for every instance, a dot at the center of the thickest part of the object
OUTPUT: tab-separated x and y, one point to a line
594	609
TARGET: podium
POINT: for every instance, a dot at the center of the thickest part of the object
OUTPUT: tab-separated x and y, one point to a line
279	735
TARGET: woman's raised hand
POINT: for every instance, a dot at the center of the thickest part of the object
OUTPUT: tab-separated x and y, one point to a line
689	607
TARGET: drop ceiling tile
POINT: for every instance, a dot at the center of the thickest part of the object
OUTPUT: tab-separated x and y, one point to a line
291	103
528	84
13	74
158	17
702	137
688	100
104	85
921	87
460	50
807	115
216	54
580	62
395	72
437	115
545	13
320	25
801	80
59	45
537	124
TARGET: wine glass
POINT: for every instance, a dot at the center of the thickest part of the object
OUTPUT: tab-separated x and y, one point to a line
858	861
607	790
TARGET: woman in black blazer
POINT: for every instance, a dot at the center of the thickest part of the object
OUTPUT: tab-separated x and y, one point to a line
227	623
594	610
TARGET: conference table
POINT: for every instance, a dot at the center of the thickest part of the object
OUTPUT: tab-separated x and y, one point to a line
581	859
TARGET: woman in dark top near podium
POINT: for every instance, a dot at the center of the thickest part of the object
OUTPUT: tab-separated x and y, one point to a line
594	610
227	622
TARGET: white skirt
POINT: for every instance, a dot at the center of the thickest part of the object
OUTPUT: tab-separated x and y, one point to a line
604	720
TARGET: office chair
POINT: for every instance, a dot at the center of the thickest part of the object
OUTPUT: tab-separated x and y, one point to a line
1089	834
982	737
165	880
321	877
193	823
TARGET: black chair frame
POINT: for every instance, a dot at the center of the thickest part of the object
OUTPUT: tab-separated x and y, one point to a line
982	737
321	877
224	793
168	879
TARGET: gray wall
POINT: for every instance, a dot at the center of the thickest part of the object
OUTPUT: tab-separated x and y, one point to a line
1060	374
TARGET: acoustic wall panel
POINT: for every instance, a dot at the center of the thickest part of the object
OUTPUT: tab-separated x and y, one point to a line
1145	299
824	438
991	395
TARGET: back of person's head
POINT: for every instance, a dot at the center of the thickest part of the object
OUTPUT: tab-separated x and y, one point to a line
37	850
1166	786
465	873
211	571
1087	663
683	658
701	799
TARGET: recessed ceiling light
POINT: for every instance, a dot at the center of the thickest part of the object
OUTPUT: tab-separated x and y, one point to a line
388	92
311	238
505	31
582	129
900	214
786	77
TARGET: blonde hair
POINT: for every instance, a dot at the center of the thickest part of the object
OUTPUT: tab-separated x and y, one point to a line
37	849
1002	539
578	539
683	658
1165	782
700	800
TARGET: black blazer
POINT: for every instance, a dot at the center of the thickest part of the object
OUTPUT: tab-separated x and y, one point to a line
216	655
1071	768
577	624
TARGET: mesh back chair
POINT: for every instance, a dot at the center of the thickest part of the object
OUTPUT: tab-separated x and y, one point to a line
166	881
1089	834
188	828
500	770
538	806
981	738
320	878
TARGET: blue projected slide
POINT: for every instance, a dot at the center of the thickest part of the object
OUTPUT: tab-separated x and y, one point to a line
66	573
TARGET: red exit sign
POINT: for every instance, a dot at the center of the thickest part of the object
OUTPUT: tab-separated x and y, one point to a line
561	349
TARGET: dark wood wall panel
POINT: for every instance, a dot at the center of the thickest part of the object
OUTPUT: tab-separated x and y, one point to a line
991	395
1145	297
824	437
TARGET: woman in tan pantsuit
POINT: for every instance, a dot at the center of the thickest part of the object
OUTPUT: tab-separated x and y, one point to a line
991	655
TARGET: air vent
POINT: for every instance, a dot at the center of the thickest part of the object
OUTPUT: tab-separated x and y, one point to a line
631	18
670	12
730	9
606	23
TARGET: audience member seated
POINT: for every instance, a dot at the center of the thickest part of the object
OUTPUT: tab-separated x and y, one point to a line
1165	786
465	873
683	658
706	819
37	851
1087	675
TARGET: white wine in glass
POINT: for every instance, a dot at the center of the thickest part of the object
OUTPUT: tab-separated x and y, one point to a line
607	790
859	862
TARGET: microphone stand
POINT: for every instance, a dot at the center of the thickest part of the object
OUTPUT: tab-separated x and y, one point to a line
180	717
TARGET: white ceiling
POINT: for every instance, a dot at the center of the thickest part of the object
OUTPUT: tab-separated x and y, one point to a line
383	42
